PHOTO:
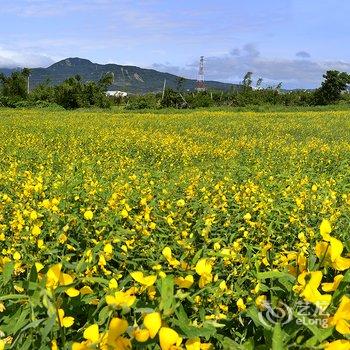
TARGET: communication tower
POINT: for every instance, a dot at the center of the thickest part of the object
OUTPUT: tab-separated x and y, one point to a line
200	78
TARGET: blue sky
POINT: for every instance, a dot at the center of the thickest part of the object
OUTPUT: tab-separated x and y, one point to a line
292	41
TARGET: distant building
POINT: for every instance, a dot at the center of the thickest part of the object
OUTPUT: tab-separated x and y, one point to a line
116	93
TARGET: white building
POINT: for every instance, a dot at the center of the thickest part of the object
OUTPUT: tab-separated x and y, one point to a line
116	93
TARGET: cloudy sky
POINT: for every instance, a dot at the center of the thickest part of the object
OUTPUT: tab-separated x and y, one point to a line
293	41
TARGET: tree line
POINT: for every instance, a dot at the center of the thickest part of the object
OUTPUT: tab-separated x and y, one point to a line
71	94
75	93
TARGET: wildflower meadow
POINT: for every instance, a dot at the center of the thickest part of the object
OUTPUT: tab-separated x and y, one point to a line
193	230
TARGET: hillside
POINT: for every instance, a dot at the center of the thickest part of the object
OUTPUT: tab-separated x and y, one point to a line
131	79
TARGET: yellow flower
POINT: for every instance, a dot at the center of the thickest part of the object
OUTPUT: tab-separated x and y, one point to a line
310	289
223	286
2	307
325	229
72	292
261	301
341	319
55	278
62	238
33	215
341	344
167	253
331	287
65	321
151	292
141	335
17	256
193	344
19	289
113	284
204	268
330	252
146	281
169	220
184	282
120	343
216	246
247	217
121	299
85	290
53	345
116	328
36	230
92	333
41	244
180	203
169	339
153	323
88	215
38	266
108	248
124	213
240	304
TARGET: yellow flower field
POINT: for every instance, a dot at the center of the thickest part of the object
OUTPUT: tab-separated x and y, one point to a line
176	230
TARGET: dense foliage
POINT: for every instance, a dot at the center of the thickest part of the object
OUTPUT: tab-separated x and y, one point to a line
186	230
72	93
332	87
75	93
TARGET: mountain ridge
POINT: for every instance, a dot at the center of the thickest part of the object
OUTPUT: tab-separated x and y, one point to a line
131	79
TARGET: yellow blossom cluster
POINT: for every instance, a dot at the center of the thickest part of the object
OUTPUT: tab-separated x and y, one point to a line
173	230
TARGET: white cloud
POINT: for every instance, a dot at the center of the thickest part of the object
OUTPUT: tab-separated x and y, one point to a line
294	73
13	59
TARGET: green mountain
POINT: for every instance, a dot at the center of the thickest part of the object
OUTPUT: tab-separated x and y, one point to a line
131	79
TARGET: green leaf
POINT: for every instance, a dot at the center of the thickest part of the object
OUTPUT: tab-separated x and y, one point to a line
7	272
167	299
275	275
104	314
206	331
343	286
253	313
320	334
13	297
277	337
49	323
229	344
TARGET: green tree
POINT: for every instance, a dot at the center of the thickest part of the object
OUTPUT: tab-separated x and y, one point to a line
332	87
15	86
179	83
106	81
74	93
247	80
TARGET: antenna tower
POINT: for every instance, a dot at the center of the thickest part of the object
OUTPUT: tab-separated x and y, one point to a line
200	78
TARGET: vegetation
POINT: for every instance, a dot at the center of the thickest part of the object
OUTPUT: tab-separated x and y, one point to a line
75	93
72	93
15	86
332	87
185	230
